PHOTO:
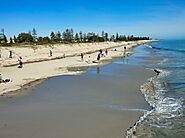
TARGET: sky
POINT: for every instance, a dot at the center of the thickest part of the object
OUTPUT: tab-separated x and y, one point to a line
160	19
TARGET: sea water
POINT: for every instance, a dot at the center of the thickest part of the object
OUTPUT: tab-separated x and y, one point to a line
165	93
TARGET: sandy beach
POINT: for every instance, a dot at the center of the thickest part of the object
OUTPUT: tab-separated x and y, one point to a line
37	64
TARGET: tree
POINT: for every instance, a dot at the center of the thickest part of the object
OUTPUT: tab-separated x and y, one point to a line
46	39
112	38
43	40
117	37
2	34
11	40
76	37
103	34
124	38
84	37
81	36
106	37
72	34
5	39
29	32
24	37
34	33
68	35
57	37
15	39
52	36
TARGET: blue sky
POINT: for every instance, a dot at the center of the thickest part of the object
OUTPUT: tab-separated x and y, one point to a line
155	18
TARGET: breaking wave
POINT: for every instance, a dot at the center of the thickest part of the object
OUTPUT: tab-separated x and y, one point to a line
163	107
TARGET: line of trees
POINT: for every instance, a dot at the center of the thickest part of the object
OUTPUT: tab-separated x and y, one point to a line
67	36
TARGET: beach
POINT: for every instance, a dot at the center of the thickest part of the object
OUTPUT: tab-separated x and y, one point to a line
104	102
68	97
37	64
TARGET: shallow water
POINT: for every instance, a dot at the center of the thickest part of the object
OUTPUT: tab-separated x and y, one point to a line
165	93
101	103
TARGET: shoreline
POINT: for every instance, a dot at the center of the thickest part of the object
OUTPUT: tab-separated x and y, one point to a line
54	66
131	118
98	107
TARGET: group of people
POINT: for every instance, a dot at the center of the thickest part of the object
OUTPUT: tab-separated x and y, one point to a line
100	54
11	56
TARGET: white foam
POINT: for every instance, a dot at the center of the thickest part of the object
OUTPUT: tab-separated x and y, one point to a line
166	107
123	108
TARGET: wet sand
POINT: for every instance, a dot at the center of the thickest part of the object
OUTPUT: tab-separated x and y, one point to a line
103	103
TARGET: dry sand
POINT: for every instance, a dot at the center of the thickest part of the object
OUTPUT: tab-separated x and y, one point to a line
38	65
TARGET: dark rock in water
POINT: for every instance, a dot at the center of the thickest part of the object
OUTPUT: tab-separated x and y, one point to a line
134	132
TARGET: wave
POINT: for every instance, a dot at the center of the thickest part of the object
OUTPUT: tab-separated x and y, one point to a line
122	108
176	68
163	108
168	49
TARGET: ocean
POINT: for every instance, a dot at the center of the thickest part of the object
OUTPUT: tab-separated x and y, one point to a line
165	93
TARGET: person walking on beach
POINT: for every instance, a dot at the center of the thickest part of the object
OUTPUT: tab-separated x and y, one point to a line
20	62
89	59
1	78
50	53
0	53
125	48
10	56
101	52
82	56
98	57
106	51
